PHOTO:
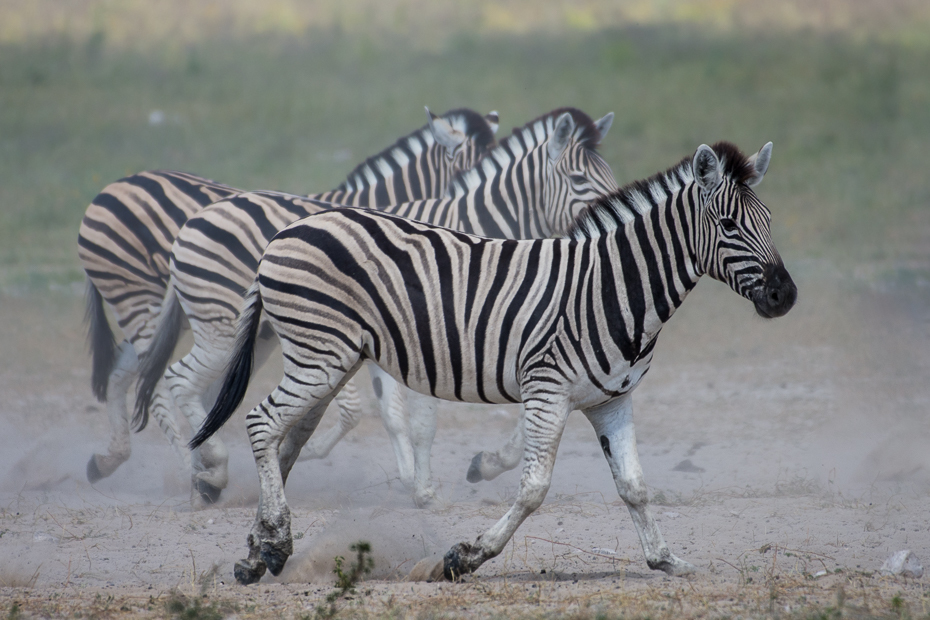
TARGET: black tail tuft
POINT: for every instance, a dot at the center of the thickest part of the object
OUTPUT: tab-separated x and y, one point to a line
100	341
238	370
156	358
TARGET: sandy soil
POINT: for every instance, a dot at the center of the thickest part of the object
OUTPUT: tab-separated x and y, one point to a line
786	459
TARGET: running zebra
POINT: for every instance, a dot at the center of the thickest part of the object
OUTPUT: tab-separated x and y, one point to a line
557	324
530	185
127	232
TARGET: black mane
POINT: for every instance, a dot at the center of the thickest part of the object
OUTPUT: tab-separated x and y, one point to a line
614	210
586	133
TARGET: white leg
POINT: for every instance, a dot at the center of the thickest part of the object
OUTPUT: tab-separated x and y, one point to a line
489	465
422	413
613	423
124	371
188	379
545	422
392	404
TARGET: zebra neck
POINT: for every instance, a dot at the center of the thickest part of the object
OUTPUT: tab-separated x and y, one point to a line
502	196
645	269
412	169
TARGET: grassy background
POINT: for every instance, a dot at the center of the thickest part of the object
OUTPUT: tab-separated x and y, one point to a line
291	96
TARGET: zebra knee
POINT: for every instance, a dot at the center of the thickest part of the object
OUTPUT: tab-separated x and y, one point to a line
474	470
633	494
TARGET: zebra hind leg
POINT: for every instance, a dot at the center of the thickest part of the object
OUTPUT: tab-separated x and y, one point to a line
188	379
298	436
124	371
350	414
278	427
489	465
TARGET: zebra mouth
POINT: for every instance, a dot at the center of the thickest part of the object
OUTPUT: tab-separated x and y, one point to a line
777	294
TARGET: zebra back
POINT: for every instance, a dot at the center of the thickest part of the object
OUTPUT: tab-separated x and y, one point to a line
477	319
215	254
419	165
531	185
125	238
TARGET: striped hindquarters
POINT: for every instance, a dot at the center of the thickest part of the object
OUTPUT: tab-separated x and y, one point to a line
126	236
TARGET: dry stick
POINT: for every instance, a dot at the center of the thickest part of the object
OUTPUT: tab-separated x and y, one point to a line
600	555
90	564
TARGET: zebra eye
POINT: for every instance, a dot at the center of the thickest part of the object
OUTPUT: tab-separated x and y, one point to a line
578	179
728	224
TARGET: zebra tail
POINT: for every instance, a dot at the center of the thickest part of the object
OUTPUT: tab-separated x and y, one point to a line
100	341
238	369
155	361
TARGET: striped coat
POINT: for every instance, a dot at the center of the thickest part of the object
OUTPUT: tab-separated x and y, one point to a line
557	324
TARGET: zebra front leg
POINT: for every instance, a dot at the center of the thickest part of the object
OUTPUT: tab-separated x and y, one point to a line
124	371
545	422
613	423
489	465
350	414
421	411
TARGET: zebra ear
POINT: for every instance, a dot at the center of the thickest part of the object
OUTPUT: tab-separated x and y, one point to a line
493	120
561	134
443	132
603	125
760	164
706	168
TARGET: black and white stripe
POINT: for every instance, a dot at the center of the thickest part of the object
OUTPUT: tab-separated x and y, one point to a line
530	185
126	237
557	324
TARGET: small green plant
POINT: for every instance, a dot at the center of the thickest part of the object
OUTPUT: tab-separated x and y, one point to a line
346	580
184	608
15	612
898	606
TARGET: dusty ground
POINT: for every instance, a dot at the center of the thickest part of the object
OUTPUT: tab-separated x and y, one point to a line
787	459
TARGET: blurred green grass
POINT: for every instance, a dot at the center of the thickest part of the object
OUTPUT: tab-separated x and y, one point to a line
849	115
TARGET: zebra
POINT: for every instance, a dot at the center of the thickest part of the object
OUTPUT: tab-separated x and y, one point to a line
127	232
557	324
527	186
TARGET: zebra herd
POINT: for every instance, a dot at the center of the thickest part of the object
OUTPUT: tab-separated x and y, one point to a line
464	270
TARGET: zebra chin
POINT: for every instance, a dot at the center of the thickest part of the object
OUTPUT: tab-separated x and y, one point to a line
777	294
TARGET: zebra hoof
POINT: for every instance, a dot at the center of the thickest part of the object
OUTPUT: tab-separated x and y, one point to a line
474	470
208	493
93	472
273	558
454	566
674	567
246	574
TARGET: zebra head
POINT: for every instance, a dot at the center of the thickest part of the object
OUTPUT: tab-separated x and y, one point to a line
733	228
575	173
465	137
